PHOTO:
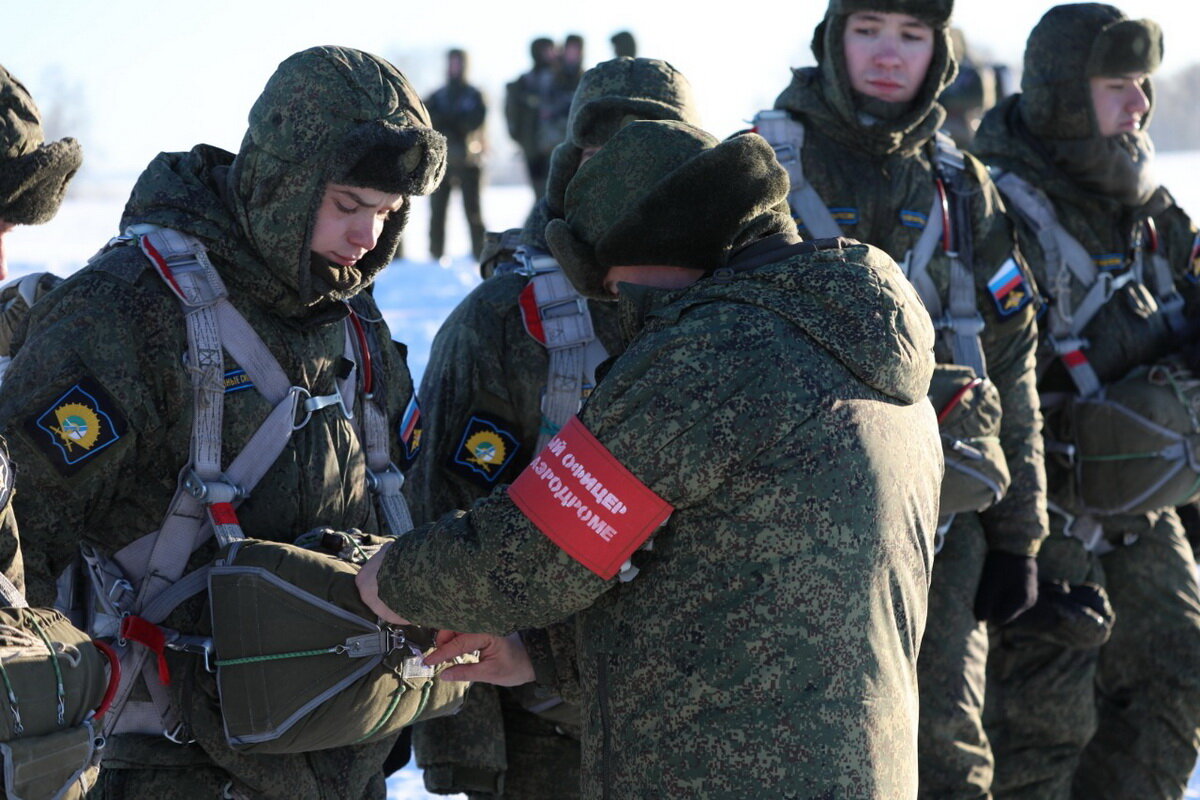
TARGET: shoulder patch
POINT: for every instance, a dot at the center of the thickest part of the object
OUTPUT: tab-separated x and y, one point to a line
81	422
485	449
1009	289
409	432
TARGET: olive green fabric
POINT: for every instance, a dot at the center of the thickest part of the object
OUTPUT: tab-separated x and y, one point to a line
809	372
909	125
657	208
285	624
484	360
877	174
969	415
1145	681
116	327
14	307
33	173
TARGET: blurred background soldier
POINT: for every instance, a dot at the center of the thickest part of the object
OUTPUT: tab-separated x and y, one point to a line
975	89
458	112
1117	261
530	105
624	45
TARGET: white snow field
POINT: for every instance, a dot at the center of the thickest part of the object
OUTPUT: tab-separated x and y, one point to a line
415	293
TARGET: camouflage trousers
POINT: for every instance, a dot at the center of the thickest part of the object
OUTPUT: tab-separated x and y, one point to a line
955	759
1123	722
494	743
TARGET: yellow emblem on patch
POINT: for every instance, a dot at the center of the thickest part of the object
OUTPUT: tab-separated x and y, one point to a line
1013	299
486	449
78	426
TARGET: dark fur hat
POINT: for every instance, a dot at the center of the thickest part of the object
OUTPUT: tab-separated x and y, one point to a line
33	174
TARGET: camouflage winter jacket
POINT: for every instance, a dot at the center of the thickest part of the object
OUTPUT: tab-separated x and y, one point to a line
112	340
770	638
1119	337
884	197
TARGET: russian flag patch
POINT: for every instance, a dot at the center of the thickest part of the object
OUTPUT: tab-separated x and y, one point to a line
1008	289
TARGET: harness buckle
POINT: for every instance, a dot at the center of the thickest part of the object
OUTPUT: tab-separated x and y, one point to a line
385	482
580	304
211	492
178	734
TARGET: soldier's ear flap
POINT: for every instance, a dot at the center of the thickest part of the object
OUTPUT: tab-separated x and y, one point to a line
578	260
564	163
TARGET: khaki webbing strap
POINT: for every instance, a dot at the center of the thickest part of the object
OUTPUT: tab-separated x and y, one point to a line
1065	258
572	345
384	478
916	261
10	594
785	134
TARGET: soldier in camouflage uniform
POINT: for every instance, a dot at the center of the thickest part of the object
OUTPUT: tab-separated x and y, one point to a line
458	111
764	642
1136	700
488	375
870	155
298	223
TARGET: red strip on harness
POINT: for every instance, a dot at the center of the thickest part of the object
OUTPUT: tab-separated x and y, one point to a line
954	401
945	204
1075	358
114	676
160	264
364	352
529	313
1152	234
147	634
223	514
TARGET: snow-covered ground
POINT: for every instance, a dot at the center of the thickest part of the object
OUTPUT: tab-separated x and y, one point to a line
415	293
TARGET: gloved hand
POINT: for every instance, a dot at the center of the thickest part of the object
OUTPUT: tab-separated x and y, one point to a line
1008	586
1076	616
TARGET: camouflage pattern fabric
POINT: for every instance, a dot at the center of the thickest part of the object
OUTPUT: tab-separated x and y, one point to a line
878	182
1141	680
97	408
737	654
486	366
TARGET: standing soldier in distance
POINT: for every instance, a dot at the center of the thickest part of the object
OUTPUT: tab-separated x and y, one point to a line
496	377
858	134
1073	157
458	112
527	104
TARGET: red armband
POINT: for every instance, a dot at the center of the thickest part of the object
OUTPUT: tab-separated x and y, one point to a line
587	502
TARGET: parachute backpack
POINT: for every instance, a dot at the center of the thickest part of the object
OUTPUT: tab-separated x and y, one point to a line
968	412
346	660
1137	442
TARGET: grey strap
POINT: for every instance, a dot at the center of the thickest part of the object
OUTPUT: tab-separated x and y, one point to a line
916	261
573	347
10	594
785	134
1065	259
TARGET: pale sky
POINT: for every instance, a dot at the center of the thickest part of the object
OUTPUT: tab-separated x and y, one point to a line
167	75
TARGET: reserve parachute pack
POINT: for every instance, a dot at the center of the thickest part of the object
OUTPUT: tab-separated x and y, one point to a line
57	684
968	413
974	472
127	596
1136	443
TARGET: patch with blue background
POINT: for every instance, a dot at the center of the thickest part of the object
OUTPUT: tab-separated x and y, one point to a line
237	380
1009	289
79	424
485	450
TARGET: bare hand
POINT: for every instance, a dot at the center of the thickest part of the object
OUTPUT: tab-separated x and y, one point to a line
367	582
502	659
